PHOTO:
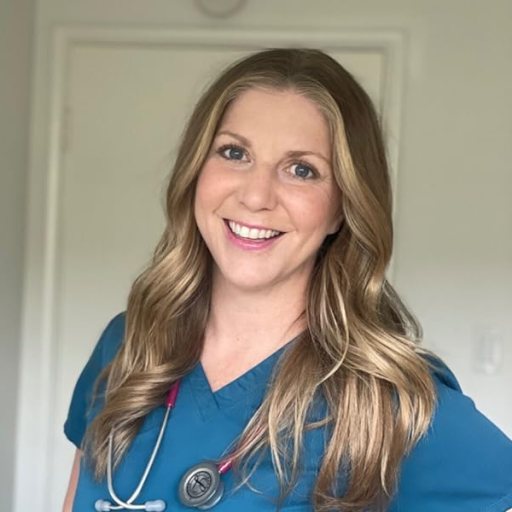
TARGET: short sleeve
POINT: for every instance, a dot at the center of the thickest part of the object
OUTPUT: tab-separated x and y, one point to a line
464	463
104	351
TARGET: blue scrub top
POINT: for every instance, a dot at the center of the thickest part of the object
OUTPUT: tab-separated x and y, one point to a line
464	463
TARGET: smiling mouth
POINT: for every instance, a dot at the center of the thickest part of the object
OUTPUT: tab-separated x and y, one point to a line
245	232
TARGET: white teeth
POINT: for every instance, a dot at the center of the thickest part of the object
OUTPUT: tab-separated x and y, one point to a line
252	233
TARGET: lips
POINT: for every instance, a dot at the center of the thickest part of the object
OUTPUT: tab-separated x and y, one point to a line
252	226
242	230
249	243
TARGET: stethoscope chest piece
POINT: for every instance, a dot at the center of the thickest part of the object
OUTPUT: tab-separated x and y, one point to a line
201	486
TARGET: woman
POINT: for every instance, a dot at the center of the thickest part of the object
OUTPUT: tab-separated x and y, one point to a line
301	380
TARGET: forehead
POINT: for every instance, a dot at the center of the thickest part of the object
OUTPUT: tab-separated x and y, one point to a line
283	116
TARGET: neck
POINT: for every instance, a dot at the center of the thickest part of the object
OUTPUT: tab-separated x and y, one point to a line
257	322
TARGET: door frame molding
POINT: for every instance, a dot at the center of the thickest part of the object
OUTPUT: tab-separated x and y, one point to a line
38	348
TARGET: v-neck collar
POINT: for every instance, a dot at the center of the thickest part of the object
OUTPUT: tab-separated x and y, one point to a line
240	397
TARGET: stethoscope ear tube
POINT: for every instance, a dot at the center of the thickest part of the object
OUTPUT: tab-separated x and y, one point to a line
200	487
149	506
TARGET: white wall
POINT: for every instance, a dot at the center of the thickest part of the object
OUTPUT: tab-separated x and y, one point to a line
16	17
454	230
453	251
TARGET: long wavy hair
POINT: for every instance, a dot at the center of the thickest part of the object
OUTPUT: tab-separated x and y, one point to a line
360	353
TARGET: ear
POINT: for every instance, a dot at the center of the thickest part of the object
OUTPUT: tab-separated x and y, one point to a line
336	224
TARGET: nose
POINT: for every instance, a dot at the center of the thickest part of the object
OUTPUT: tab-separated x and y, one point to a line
257	189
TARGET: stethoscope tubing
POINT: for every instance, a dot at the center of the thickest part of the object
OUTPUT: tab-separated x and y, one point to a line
121	504
156	505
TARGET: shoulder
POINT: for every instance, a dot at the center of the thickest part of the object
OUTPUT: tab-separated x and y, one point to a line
464	462
80	410
106	348
112	337
108	344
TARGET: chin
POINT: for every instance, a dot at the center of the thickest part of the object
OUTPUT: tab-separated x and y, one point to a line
252	284
248	280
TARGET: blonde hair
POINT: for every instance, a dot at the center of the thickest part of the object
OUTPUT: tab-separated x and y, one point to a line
360	352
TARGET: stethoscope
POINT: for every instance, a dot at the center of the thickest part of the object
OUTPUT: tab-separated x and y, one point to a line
200	487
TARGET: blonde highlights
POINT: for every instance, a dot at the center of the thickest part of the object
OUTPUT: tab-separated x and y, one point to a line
359	356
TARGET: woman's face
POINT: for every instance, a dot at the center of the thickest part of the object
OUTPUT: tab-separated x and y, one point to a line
268	171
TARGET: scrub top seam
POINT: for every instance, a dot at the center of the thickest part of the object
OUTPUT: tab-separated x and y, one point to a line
505	501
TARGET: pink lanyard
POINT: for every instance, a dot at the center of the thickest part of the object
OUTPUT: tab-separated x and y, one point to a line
225	464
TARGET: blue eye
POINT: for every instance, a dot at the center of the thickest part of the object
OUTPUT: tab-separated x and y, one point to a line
302	171
231	152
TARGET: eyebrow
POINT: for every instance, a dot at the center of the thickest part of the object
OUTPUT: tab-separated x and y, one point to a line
291	153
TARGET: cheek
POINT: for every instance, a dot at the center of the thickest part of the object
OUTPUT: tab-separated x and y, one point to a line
201	192
202	202
207	189
314	212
